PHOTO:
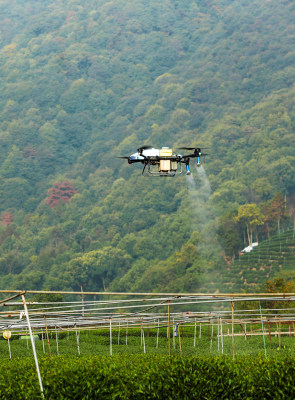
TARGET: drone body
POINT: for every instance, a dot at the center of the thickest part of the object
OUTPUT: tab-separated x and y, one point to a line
162	162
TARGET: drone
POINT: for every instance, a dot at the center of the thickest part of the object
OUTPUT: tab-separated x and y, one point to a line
163	162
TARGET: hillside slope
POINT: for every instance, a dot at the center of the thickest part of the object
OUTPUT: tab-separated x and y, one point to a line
271	258
84	83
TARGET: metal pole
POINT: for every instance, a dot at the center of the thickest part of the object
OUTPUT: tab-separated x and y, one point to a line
262	330
141	341
83	309
280	340
221	333
179	338
232	329
33	344
56	337
169	344
9	348
173	335
212	331
47	335
142	329
158	335
77	338
212	295
218	334
43	342
195	333
111	339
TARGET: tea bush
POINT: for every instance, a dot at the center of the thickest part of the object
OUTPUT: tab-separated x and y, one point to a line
150	377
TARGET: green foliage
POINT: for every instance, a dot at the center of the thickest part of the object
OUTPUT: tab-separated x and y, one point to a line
268	266
251	216
83	84
96	269
151	376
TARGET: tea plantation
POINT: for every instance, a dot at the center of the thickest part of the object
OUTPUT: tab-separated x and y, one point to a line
250	270
142	368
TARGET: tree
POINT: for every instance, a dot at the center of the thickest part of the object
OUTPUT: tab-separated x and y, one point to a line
262	188
278	285
95	269
7	218
61	191
229	235
14	193
275	210
251	216
12	166
278	209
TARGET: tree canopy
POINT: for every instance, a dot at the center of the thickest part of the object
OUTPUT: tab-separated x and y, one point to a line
83	83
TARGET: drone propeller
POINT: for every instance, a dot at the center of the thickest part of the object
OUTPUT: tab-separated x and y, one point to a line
192	148
140	150
125	158
144	148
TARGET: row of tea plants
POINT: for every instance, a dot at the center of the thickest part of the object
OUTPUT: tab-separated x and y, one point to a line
149	377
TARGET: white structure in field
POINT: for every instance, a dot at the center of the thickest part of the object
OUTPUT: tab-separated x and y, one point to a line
249	248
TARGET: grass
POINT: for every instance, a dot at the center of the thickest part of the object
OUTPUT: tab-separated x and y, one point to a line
98	343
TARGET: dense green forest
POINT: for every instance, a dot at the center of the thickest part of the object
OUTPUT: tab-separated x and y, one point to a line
85	82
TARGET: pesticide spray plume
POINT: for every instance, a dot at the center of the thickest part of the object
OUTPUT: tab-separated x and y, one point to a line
202	218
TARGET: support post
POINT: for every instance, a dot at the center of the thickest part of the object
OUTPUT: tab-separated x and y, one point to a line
9	347
262	327
232	329
280	339
83	308
47	336
169	344
269	331
56	338
42	337
111	339
221	333
78	339
179	338
143	340
157	345
212	331
195	333
218	334
173	335
33	344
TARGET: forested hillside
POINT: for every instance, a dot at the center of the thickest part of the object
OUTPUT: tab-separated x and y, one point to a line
85	82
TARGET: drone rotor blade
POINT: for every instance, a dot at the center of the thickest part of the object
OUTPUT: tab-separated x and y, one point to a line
125	158
140	149
193	148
